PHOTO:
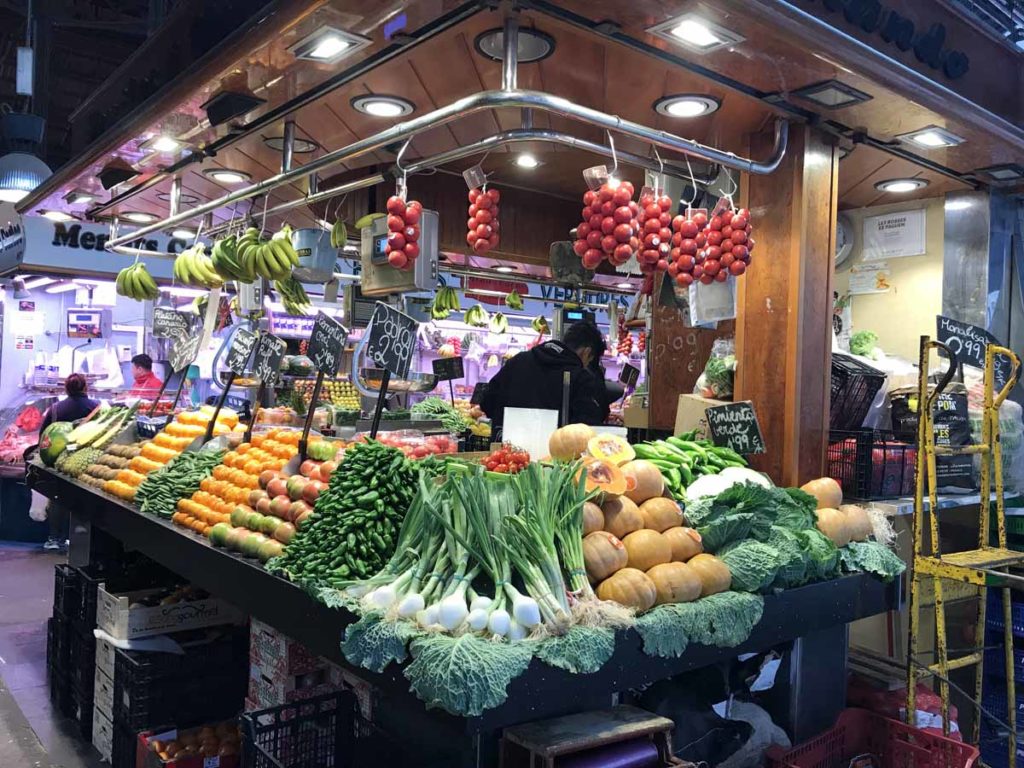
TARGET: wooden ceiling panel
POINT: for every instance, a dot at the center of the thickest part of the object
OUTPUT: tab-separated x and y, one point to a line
864	167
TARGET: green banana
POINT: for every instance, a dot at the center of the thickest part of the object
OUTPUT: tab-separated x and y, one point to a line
339	234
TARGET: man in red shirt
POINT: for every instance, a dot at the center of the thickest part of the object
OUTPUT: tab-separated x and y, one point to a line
146	382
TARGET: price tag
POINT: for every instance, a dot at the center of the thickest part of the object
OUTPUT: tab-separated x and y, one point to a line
392	340
448	368
266	364
968	343
735	425
479	393
327	344
629	375
170	324
240	350
184	350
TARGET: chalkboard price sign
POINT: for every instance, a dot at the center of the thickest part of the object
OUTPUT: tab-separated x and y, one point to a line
240	350
735	425
969	342
448	368
170	324
266	364
184	350
327	344
392	340
629	375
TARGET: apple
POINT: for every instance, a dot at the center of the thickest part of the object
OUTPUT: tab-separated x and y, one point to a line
297	509
263	506
326	470
284	532
307	467
267	475
312	492
277	487
296	486
279	506
255	495
239	514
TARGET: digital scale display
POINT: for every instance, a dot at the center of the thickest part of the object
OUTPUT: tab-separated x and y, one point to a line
380	243
84	324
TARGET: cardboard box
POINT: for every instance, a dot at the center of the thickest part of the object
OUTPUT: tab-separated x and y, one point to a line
103	694
105	657
146	757
116	616
102	734
690	414
269	690
636	415
277	654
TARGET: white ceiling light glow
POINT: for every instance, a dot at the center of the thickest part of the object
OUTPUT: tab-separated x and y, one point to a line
57	216
686	105
39	282
527	160
138	217
226	175
183	234
327	45
932	137
379	105
79	197
20	173
696	33
164	144
901	186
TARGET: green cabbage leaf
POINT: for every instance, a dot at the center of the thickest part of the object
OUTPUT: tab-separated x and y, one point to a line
581	650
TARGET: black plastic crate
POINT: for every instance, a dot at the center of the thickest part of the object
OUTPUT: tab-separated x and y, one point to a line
854	387
58	643
869	464
316	733
124	747
67	589
82	657
80	710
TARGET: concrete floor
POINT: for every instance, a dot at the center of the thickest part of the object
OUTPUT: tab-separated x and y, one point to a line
31	732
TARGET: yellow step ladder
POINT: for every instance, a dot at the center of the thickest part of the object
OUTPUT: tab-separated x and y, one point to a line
983	567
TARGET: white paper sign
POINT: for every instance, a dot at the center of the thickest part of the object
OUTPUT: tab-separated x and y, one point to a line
712	303
530	429
892	235
875	277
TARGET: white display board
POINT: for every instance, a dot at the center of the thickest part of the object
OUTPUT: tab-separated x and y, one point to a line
893	235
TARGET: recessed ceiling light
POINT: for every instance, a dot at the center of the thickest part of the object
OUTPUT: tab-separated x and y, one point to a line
78	197
532	44
932	137
39	282
183	199
696	33
832	94
623	285
138	217
379	105
686	105
506	268
226	175
1004	172
899	186
163	144
327	45
57	216
299	146
63	287
526	160
183	234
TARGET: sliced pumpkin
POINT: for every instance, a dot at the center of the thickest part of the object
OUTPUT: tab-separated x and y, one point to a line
603	476
610	447
568	443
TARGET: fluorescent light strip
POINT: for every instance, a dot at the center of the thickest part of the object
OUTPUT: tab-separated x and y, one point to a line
39	282
63	288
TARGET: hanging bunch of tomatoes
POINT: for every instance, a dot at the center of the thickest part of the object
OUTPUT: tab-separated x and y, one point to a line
609	228
403	232
655	218
710	249
482	226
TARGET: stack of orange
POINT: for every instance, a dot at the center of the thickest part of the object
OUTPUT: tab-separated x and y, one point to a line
232	480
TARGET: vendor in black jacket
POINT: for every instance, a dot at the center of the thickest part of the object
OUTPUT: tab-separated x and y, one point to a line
533	379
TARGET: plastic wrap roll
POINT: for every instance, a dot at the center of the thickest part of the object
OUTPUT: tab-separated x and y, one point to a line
639	753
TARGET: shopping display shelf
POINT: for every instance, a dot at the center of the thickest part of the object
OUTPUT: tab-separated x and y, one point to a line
542	691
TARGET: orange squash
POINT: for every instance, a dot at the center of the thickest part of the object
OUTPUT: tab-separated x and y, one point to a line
593	518
826	490
568	443
833	524
629	587
858	522
621	516
685	542
660	514
603	555
610	447
675	583
647	549
714	575
644	479
603	476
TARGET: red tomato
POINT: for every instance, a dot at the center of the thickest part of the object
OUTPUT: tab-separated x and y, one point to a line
579	247
484	230
621	195
707	279
594	238
662	265
687	228
606	193
473	211
711	267
607	208
686	262
726	246
607	225
665	234
412	250
595	221
471	238
484	202
471	223
587	213
623	252
623	232
589	197
482	245
608	243
412	213
622	214
652	211
484	216
651	240
688	247
700	219
473	194
701	239
583	230
727	216
739	237
727	259
592	258
727	232
503	468
396	240
684	279
698	271
634	241
715	237
395	223
722	276
713	252
740	252
397	259
628	186
652	226
412	233
396	205
673	268
495	195
633	207
665	218
750	243
737	268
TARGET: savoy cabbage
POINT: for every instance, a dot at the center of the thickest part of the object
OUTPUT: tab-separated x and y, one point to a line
374	642
871	557
724	620
581	650
753	565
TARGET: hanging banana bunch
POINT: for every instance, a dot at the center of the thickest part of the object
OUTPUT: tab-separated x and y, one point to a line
446	301
293	296
272	259
339	234
135	282
194	268
226	262
477	316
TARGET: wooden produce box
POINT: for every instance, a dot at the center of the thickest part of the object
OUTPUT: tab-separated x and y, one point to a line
690	414
548	743
116	615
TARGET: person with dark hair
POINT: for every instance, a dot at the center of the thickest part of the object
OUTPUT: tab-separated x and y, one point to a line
72	408
145	380
533	379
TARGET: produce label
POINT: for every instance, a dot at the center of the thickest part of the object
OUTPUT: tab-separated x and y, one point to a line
969	342
448	368
266	364
629	375
169	324
184	350
735	425
327	344
240	350
392	340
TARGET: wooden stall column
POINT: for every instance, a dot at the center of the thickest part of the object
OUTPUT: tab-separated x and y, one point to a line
784	323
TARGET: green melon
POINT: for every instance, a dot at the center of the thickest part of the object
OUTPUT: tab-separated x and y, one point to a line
301	365
53	441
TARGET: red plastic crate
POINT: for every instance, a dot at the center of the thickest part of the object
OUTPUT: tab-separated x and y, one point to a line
860	731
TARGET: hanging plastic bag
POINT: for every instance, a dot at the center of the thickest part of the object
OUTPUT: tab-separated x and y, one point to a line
716	381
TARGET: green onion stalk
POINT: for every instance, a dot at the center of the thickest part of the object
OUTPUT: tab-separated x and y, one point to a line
569	533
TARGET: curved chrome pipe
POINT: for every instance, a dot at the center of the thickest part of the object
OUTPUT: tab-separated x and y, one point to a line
477	103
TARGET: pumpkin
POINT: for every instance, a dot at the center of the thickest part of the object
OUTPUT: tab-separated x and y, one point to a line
647	549
568	443
603	555
661	513
685	543
858	522
832	523
714	575
645	480
611	447
629	587
593	518
621	516
675	583
826	491
603	476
